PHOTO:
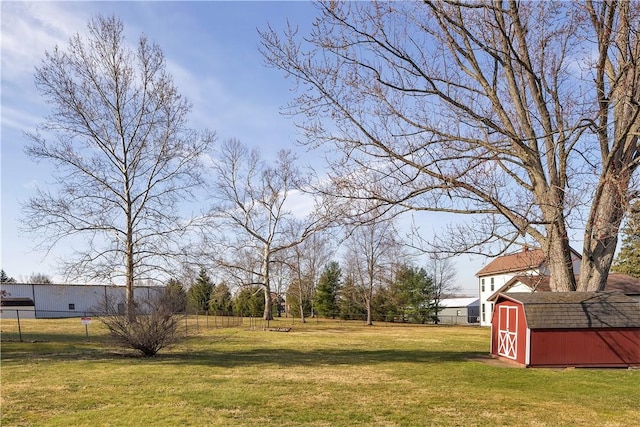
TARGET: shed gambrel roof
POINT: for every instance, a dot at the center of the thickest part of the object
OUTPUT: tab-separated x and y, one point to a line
577	310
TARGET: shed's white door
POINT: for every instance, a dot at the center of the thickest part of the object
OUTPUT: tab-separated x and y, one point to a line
508	331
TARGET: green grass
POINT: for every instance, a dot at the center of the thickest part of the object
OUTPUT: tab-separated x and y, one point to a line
318	374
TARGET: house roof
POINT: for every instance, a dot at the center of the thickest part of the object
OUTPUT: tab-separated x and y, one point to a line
518	261
624	283
577	310
524	260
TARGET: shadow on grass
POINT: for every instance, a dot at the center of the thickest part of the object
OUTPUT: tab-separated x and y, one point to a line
61	338
286	358
318	357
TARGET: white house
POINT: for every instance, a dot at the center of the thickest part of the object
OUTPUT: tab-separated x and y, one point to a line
501	270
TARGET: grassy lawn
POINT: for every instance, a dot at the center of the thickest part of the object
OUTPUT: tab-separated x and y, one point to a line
318	374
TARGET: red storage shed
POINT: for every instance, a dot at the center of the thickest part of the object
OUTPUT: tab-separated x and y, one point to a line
582	329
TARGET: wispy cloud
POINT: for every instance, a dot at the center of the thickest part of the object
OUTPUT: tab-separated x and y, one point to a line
18	119
31	28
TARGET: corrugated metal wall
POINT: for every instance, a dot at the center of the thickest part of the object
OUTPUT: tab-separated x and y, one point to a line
71	300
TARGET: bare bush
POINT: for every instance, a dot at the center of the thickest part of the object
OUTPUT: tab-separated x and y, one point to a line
153	327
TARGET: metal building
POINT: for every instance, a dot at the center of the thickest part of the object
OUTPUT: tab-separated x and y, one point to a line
459	311
51	300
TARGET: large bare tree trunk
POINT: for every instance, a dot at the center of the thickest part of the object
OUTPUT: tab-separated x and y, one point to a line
266	277
268	304
368	302
555	241
302	319
129	245
558	254
130	303
601	235
618	92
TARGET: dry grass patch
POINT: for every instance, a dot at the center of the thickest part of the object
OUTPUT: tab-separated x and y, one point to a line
327	374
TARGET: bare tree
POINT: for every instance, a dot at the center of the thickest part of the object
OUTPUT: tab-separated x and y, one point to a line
123	155
617	129
488	109
443	275
372	252
254	223
306	262
39	278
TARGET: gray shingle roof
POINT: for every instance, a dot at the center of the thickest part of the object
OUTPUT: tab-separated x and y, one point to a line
578	310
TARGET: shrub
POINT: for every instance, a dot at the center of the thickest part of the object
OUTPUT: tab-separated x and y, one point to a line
152	328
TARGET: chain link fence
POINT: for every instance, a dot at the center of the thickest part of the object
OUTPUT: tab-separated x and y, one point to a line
25	324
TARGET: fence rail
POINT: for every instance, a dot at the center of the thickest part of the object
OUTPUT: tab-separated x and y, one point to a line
15	322
442	319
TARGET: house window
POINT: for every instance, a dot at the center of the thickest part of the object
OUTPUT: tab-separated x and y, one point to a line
482	285
492	284
483	316
72	306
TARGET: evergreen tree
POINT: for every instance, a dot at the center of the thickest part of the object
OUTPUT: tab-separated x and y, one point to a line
628	260
415	292
175	296
249	301
221	299
385	306
6	279
328	289
199	294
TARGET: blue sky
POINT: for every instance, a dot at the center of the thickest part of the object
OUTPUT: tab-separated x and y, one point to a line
212	52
